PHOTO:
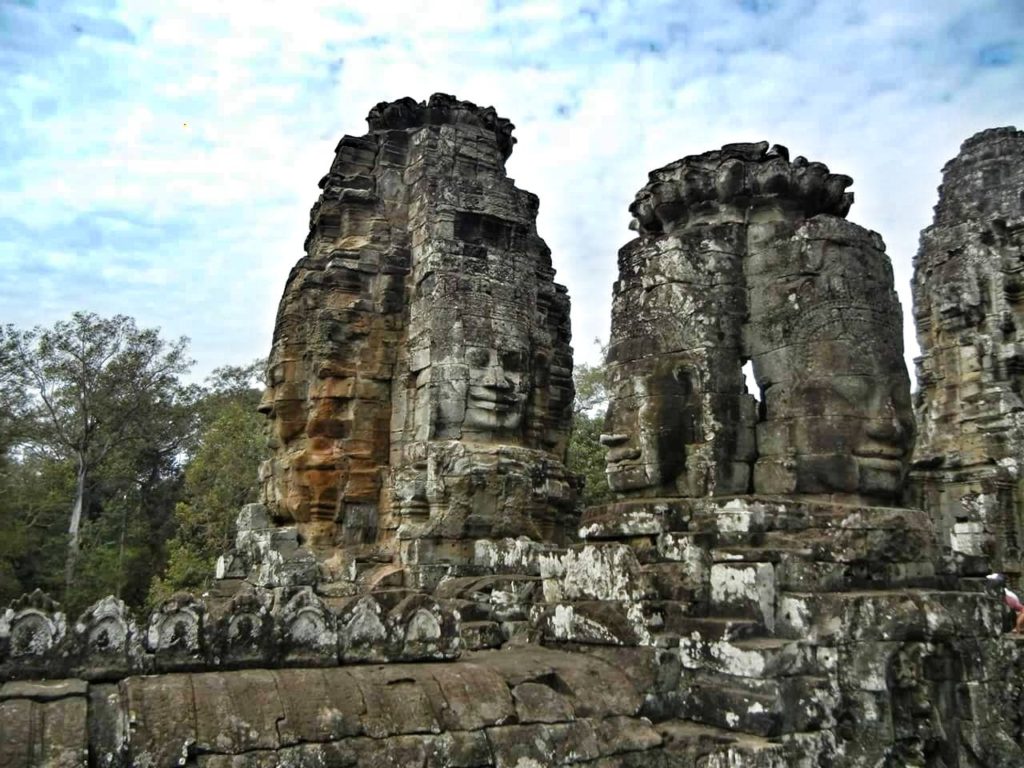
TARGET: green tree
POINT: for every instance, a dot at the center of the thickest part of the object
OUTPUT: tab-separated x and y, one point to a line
586	454
34	489
12	402
13	399
220	477
95	387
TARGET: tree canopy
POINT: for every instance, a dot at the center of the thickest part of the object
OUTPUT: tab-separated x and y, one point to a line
219	479
99	436
586	454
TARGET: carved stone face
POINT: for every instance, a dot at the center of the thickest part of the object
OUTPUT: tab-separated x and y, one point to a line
309	467
743	255
495	396
840	419
653	415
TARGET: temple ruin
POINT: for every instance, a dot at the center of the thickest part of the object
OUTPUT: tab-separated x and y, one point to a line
968	295
420	380
746	256
418	586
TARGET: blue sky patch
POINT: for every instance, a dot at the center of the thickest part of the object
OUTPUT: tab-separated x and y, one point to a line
160	159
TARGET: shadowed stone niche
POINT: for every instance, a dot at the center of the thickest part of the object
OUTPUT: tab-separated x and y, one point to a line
419	385
744	255
969	310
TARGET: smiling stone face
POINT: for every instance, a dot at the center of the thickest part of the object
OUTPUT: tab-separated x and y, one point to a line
653	422
497	389
825	341
840	419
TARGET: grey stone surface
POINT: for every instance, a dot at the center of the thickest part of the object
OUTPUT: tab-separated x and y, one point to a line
968	295
743	255
420	377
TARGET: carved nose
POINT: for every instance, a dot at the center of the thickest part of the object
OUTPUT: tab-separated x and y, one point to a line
610	441
891	435
266	406
495	377
889	426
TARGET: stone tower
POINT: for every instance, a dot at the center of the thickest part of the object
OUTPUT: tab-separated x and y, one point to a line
969	309
744	255
419	384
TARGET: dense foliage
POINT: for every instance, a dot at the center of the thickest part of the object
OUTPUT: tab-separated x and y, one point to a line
218	480
119	477
586	454
98	434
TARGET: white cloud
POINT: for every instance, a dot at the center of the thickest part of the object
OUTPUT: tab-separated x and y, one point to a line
209	132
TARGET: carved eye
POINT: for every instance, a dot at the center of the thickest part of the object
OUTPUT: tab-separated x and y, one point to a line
512	361
275	375
685	380
478	358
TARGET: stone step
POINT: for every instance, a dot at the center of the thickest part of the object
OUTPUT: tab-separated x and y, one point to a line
850	544
745	590
804	576
750	553
763	706
478	635
757	657
891	614
715	627
803	569
690	743
733	709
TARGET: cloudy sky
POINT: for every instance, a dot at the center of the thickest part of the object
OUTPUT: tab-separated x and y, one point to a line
159	159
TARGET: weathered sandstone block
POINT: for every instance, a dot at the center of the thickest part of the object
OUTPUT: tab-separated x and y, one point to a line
419	384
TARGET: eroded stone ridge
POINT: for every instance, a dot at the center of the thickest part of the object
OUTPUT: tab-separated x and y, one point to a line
288	627
969	309
744	256
441	109
737	182
419	384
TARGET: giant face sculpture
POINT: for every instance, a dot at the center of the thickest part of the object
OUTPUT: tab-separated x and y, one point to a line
483	385
475	456
837	414
806	296
653	420
419	384
496	391
824	336
489	331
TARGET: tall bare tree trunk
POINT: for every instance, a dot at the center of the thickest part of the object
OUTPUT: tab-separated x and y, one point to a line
120	551
73	529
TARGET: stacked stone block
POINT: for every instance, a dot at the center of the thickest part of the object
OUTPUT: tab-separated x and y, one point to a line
824	631
744	255
968	294
419	384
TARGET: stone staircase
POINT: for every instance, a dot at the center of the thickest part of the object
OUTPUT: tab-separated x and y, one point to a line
786	625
